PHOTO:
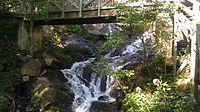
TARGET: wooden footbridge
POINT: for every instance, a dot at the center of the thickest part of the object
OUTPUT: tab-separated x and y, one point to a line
54	12
59	12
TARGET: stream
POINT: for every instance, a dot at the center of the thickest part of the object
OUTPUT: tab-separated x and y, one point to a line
95	88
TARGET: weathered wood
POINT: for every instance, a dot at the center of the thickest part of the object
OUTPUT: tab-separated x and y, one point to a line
63	8
197	68
80	8
87	17
91	20
99	7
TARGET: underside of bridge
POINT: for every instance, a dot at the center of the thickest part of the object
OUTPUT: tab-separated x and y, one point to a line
93	20
93	16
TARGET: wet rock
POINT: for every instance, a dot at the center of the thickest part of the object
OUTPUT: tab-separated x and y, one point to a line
101	106
51	61
51	92
22	57
87	71
78	52
103	83
117	93
31	68
103	98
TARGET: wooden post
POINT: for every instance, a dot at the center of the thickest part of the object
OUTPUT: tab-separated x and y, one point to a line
37	35
63	8
99	7
80	8
31	49
197	68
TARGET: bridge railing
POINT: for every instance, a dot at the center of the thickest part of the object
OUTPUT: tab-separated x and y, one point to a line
77	5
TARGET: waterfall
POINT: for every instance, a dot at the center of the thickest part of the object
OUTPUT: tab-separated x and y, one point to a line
89	88
86	93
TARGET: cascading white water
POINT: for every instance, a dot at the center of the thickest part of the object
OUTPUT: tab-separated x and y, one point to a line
87	91
84	95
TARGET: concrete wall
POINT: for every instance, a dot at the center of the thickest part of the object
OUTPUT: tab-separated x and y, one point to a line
24	40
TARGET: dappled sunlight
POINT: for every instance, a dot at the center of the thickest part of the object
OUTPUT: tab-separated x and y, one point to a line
57	41
184	83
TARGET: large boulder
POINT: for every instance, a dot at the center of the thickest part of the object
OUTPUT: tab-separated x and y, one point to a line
51	61
51	93
31	68
102	106
87	71
119	95
103	98
78	52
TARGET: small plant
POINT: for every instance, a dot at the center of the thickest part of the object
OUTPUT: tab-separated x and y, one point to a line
101	68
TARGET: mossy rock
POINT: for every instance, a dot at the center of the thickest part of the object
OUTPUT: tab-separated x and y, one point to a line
31	68
50	93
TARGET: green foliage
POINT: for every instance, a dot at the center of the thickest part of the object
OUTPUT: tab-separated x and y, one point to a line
101	68
136	102
4	104
8	80
137	19
164	98
124	73
113	41
59	53
35	102
8	31
79	29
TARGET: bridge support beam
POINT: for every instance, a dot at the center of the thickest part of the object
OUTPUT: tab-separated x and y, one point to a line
37	37
24	41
